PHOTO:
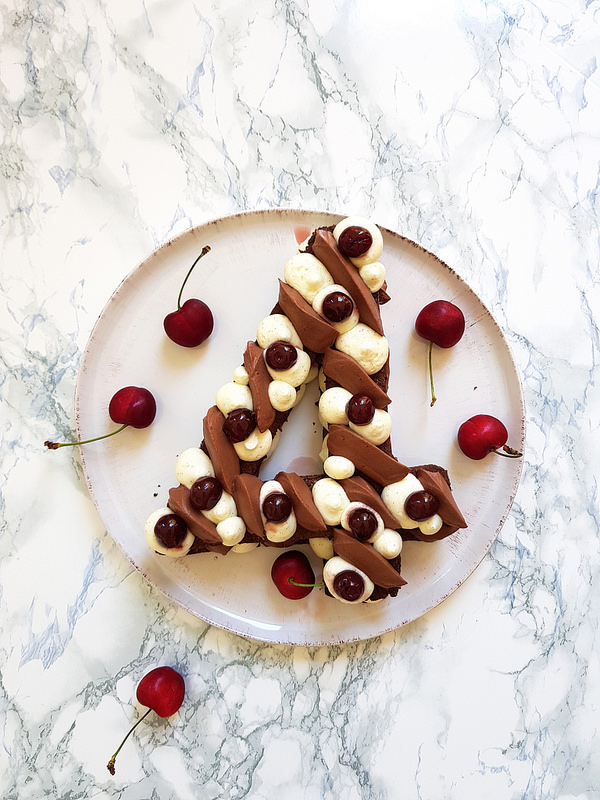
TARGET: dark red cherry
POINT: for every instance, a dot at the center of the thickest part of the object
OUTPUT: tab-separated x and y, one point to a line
281	355
293	575
349	585
421	505
354	241
192	323
360	409
362	523
277	507
239	424
337	306
206	493
170	530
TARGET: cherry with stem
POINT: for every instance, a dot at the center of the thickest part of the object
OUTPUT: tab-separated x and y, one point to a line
192	323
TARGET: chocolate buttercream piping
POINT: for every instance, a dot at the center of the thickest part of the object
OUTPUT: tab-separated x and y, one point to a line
366	558
259	380
359	491
347	372
202	528
315	332
344	273
220	450
366	457
246	493
307	514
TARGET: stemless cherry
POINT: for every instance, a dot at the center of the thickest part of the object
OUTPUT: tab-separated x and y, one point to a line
360	409
281	355
206	493
354	241
362	523
421	505
239	424
170	530
277	507
337	306
349	585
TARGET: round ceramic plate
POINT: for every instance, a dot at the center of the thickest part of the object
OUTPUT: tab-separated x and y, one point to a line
130	475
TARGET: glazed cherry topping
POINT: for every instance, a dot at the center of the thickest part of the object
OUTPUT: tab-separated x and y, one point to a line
360	409
421	505
349	585
337	307
239	424
277	507
170	530
281	355
354	241
362	523
206	493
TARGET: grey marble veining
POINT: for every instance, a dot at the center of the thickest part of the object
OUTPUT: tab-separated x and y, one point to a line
471	127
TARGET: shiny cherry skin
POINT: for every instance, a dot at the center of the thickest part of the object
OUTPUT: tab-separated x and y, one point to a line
170	530
484	434
281	355
294	566
191	324
360	409
441	322
277	507
205	493
362	523
349	585
421	505
162	690
133	405
337	306
354	241
239	424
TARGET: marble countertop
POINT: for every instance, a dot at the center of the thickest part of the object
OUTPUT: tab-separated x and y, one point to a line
469	126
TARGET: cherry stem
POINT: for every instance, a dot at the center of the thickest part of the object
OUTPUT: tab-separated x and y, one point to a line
507	452
205	250
56	445
111	764
433	397
305	585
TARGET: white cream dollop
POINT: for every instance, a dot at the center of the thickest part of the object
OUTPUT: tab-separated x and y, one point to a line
192	464
244	547
282	395
373	275
330	500
307	275
231	530
338	467
233	395
375	250
365	346
346	324
276	328
321	547
240	375
394	496
378	430
225	507
297	373
276	531
332	406
388	543
173	552
255	446
337	564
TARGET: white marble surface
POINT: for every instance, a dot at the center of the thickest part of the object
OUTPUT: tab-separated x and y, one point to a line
471	127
